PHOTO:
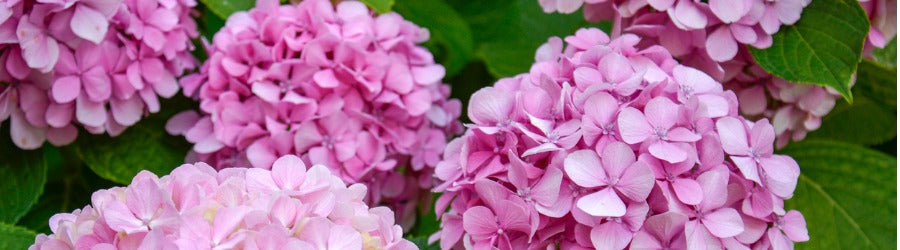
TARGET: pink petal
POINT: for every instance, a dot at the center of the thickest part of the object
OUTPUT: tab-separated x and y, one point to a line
39	50
180	123
261	155
59	115
343	237
689	15
762	137
633	127
733	136
729	11
289	172
326	79
602	203
429	74
226	221
234	68
748	168
794	225
66	89
720	45
715	189
479	221
587	76
163	19
688	191
661	5
636	182
546	190
62	136
699	238
568	6
489	106
90	113
89	24
781	173
584	169
610	235
126	112
723	223
418	102
616	157
661	113
24	135
667	151
96	84
615	68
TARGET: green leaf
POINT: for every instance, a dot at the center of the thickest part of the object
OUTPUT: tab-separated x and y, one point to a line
144	146
888	55
451	40
847	194
871	118
13	237
22	177
878	82
224	8
822	48
380	6
69	185
507	32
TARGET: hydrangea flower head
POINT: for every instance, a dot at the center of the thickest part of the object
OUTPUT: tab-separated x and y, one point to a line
604	145
195	207
336	85
100	64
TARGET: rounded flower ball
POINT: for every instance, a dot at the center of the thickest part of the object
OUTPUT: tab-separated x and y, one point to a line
99	64
195	207
336	85
603	145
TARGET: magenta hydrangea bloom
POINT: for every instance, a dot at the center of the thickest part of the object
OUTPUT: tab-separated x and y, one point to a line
98	63
604	145
335	85
195	207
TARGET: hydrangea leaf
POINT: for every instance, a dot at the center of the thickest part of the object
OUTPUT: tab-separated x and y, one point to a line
14	237
144	146
380	6
871	118
507	32
451	39
68	180
224	8
22	177
847	193
822	48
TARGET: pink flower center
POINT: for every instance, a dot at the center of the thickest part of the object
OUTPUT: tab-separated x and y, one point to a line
661	133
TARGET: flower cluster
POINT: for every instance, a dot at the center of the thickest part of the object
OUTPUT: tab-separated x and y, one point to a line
196	207
608	146
706	35
333	84
98	63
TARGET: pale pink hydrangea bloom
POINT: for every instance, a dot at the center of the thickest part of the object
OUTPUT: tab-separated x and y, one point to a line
604	145
195	207
101	64
336	85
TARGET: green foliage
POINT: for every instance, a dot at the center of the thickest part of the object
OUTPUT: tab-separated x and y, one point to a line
22	177
451	40
871	118
422	243
13	237
68	186
224	8
144	146
380	6
822	48
847	194
507	32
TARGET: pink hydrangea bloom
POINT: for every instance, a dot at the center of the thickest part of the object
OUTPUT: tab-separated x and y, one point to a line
604	145
336	85
100	64
708	36
195	207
